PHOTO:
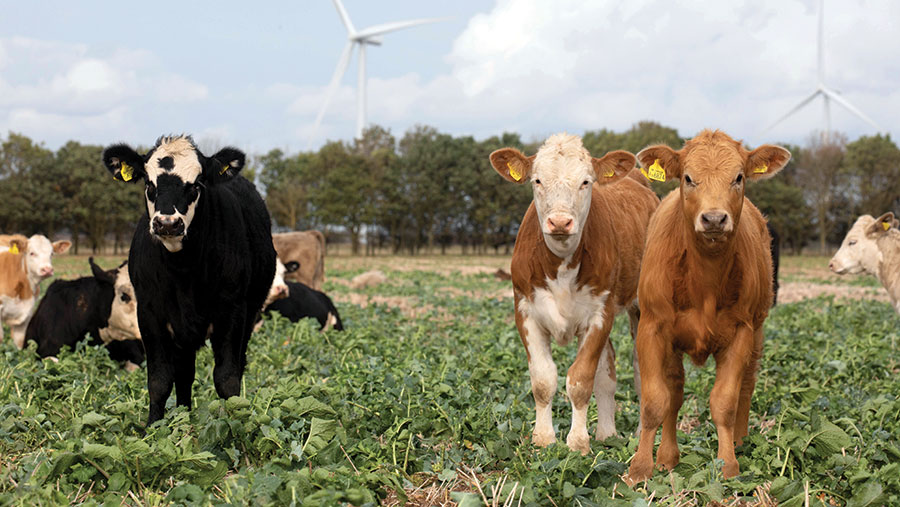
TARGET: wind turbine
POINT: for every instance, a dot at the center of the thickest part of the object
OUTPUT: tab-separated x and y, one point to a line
822	89
361	38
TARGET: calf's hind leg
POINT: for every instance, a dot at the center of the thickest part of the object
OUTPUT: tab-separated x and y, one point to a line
229	350
748	384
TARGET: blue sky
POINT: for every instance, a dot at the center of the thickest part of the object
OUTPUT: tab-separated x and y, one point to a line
254	74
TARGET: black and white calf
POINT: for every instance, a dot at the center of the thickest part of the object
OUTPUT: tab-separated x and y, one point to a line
295	301
201	262
72	309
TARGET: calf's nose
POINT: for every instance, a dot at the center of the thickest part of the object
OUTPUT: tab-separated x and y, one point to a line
47	271
166	225
714	220
560	224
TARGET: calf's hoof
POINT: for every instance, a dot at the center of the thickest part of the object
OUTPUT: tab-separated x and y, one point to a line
579	442
640	470
731	469
542	439
667	458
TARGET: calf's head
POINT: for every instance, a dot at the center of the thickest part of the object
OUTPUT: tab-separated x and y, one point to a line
712	169
123	314
300	251
561	174
858	253
175	174
279	289
38	251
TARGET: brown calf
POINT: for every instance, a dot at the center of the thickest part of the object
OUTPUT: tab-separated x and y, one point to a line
303	255
574	267
705	289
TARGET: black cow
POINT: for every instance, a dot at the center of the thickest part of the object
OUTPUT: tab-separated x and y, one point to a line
303	302
73	308
201	262
775	247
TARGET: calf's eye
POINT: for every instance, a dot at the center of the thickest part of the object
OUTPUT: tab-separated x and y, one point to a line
851	243
125	298
739	179
689	181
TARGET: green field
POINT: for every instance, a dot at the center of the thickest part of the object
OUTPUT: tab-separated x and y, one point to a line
425	398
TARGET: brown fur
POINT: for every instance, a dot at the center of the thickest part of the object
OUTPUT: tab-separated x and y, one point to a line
13	274
703	297
306	248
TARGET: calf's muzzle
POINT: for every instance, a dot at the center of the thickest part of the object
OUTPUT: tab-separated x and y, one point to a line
167	225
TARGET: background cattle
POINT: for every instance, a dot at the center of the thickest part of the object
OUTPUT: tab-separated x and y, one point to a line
872	246
303	254
72	309
201	262
123	324
575	266
24	263
705	289
371	278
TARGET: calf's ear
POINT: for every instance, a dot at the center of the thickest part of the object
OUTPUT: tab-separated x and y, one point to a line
62	246
124	163
18	246
660	163
222	166
881	225
512	164
765	161
100	274
613	166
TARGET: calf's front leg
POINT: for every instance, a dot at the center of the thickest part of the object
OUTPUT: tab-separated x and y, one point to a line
542	371
582	380
731	365
228	352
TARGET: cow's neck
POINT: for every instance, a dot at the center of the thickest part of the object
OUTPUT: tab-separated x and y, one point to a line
563	250
712	265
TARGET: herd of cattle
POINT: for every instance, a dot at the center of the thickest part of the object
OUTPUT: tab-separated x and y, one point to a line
694	273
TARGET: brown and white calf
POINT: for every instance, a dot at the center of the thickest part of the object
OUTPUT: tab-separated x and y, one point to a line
24	263
872	246
303	255
705	290
574	267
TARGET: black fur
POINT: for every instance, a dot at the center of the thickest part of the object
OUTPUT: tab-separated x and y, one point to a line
775	247
220	278
71	309
303	302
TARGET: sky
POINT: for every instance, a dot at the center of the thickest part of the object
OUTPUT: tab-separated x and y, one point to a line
254	74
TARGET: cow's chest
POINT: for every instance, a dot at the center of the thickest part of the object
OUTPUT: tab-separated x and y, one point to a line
563	309
15	311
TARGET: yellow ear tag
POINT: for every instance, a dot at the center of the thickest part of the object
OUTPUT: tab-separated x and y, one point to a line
127	172
609	173
761	169
514	170
224	168
656	172
14	249
886	225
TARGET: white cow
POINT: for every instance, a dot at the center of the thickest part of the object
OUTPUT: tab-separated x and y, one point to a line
872	246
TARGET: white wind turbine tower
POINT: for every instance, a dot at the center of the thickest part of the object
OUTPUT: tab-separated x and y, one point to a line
822	89
361	38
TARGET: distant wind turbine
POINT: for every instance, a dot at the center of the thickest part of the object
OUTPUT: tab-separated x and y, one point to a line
371	35
822	89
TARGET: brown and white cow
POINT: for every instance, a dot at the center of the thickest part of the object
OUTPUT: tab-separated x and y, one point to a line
123	324
303	254
24	263
705	290
872	246
574	267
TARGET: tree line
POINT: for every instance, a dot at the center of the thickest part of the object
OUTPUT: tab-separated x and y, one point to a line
429	190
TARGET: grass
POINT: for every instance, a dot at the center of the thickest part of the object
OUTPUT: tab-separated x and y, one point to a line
426	399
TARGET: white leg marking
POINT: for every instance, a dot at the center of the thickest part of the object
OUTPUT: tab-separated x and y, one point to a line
18	335
578	438
605	394
543	382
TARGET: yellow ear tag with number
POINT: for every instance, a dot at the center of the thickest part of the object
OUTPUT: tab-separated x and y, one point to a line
514	170
127	172
224	168
886	225
655	172
761	169
609	173
13	249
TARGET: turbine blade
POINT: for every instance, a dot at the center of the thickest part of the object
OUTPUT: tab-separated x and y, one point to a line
796	108
842	101
390	27
344	16
339	71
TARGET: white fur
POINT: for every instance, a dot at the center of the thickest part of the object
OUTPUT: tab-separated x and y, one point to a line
122	324
16	313
186	166
862	256
279	288
605	395
562	166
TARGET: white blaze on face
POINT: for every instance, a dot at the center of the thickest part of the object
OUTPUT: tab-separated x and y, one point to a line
174	159
562	176
858	253
279	288
123	324
38	257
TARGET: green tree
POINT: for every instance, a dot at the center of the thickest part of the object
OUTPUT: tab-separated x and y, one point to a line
818	173
873	164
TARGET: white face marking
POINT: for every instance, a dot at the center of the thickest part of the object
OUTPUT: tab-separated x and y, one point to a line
186	165
562	176
123	315
179	159
857	253
279	288
37	259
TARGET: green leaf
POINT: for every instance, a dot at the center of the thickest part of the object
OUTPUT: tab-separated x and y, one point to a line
321	432
99	451
466	499
871	493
